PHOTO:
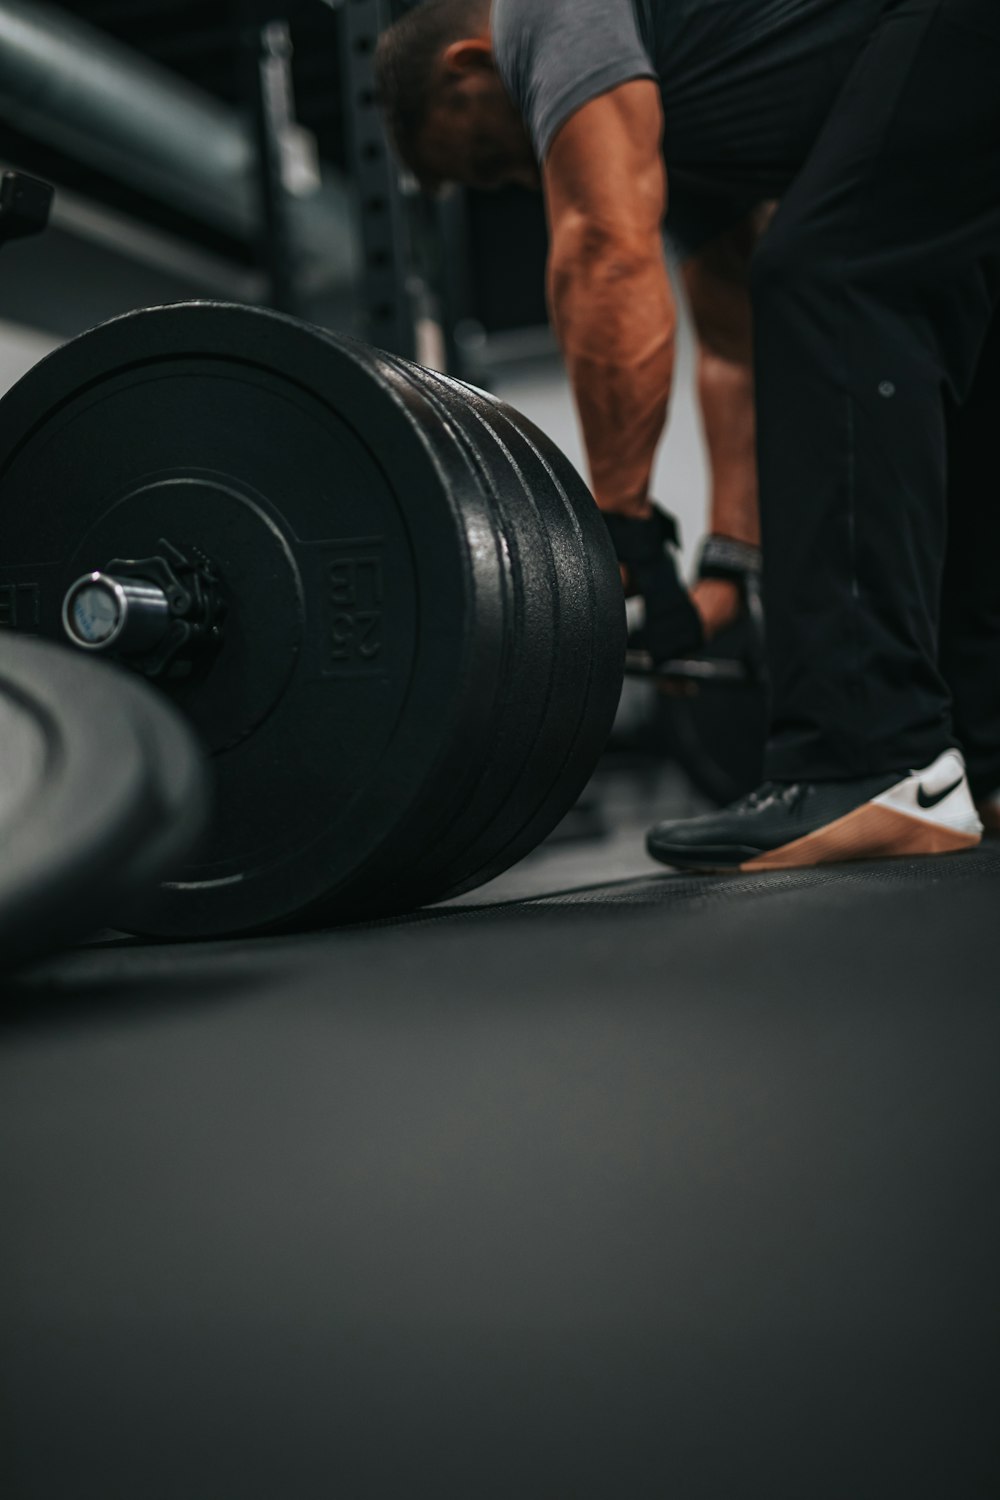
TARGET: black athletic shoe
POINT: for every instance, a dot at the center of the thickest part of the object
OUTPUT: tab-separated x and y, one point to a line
989	811
787	826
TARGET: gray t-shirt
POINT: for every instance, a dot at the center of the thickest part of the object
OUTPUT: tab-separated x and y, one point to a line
745	84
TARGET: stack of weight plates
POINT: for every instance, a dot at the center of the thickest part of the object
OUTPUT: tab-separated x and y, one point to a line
424	631
558	595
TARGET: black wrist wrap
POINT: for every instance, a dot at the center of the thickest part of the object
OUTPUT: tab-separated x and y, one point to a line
725	557
740	563
673	625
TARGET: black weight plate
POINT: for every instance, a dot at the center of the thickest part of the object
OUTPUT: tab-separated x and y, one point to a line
591	604
178	771
550	518
84	820
413	865
603	595
533	668
365	611
578	529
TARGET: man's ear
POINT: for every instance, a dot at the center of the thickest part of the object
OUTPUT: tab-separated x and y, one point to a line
470	55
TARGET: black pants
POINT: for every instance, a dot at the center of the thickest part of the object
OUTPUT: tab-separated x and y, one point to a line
878	394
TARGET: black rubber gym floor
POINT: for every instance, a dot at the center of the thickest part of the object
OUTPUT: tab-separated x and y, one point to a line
601	1182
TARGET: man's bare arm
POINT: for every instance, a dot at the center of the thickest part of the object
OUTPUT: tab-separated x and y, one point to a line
609	292
717	282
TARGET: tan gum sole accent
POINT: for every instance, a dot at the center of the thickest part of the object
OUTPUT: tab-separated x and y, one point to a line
869	832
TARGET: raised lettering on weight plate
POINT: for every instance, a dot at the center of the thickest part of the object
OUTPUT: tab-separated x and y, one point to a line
19	606
354	600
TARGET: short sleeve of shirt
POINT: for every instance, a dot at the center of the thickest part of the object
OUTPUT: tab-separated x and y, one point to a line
554	56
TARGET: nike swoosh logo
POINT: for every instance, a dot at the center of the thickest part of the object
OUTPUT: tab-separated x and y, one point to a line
931	799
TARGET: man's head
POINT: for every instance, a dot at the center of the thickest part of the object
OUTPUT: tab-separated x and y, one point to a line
447	112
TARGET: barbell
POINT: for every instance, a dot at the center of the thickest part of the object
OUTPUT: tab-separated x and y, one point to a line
384	601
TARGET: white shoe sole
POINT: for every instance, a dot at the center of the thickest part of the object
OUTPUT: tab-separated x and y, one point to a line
895	825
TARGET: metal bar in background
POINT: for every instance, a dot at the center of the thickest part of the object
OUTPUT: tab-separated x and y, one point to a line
143	245
387	277
268	51
69	85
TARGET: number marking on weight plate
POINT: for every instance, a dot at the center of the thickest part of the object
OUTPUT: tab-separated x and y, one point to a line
20	606
354	624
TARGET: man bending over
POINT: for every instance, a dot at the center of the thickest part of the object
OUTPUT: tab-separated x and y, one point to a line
877	125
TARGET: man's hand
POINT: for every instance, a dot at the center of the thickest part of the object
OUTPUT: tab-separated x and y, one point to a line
609	292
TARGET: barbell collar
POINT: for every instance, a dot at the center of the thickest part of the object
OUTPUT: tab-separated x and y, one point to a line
120	616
